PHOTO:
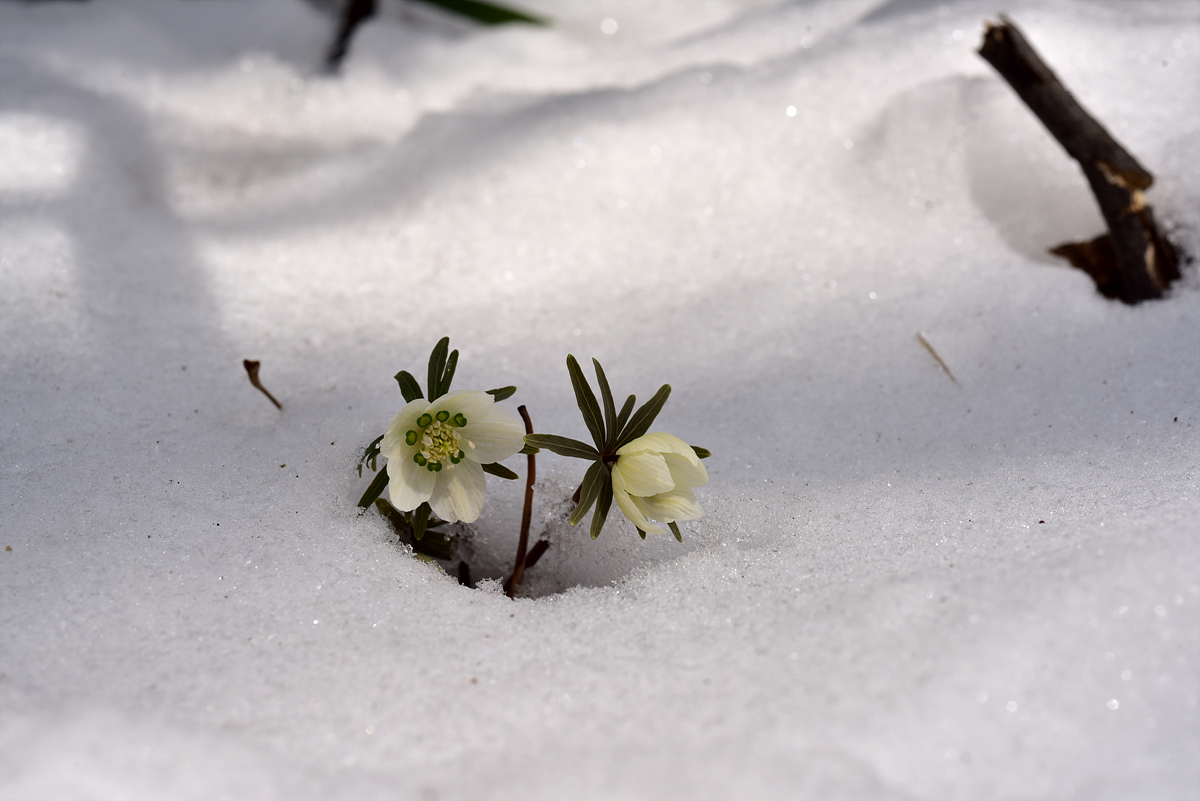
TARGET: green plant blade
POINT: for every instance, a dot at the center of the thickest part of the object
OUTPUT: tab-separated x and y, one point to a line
626	410
437	366
448	373
641	533
640	422
701	453
409	387
529	450
587	401
603	502
592	479
675	530
370	454
420	519
610	408
376	489
502	393
497	469
563	446
486	13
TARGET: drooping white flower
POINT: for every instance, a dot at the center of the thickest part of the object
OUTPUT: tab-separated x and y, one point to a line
435	452
653	478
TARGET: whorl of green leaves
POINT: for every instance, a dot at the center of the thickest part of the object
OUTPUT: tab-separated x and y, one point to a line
611	430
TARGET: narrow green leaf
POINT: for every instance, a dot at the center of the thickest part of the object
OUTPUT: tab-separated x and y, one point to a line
503	393
529	450
563	446
610	408
486	13
376	488
587	401
370	454
420	519
448	373
437	365
675	530
409	387
603	502
701	453
641	533
640	422
626	410
592	479
497	469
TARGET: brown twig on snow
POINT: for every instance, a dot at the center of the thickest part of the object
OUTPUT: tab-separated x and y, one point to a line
518	573
1134	261
936	357
252	371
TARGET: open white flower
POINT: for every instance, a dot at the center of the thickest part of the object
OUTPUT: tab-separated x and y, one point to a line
435	452
653	478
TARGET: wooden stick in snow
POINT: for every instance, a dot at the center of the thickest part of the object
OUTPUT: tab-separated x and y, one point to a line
1133	261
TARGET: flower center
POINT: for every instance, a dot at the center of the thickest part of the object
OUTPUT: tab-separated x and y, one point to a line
437	441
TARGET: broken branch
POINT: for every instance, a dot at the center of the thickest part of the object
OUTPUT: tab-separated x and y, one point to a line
1138	262
252	371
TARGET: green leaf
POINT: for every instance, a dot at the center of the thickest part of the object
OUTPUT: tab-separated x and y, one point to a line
409	387
587	401
529	450
640	422
610	408
448	374
675	530
370	455
376	488
603	502
420	519
589	490
503	393
563	446
641	533
497	469
626	410
486	13
701	453
437	366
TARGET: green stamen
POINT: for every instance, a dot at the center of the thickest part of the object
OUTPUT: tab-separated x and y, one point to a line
424	419
455	459
460	419
411	437
437	467
461	455
443	416
433	467
419	459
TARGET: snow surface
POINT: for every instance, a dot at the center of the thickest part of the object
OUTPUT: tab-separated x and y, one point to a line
904	587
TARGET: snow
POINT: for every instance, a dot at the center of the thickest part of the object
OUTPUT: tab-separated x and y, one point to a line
903	587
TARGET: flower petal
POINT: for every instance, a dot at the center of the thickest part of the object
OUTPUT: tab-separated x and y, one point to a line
669	506
660	443
494	432
684	472
409	483
643	474
393	445
459	492
630	509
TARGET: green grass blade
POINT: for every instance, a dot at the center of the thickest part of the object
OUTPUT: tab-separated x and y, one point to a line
642	419
626	410
603	502
587	401
420	518
497	469
376	489
409	387
590	489
563	446
610	408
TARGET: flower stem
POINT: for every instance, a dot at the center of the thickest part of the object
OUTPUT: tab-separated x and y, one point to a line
526	514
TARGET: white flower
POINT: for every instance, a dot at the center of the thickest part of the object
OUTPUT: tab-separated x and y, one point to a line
653	478
435	452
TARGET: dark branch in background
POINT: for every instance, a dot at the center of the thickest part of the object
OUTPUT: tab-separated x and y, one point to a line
252	371
352	14
1134	261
